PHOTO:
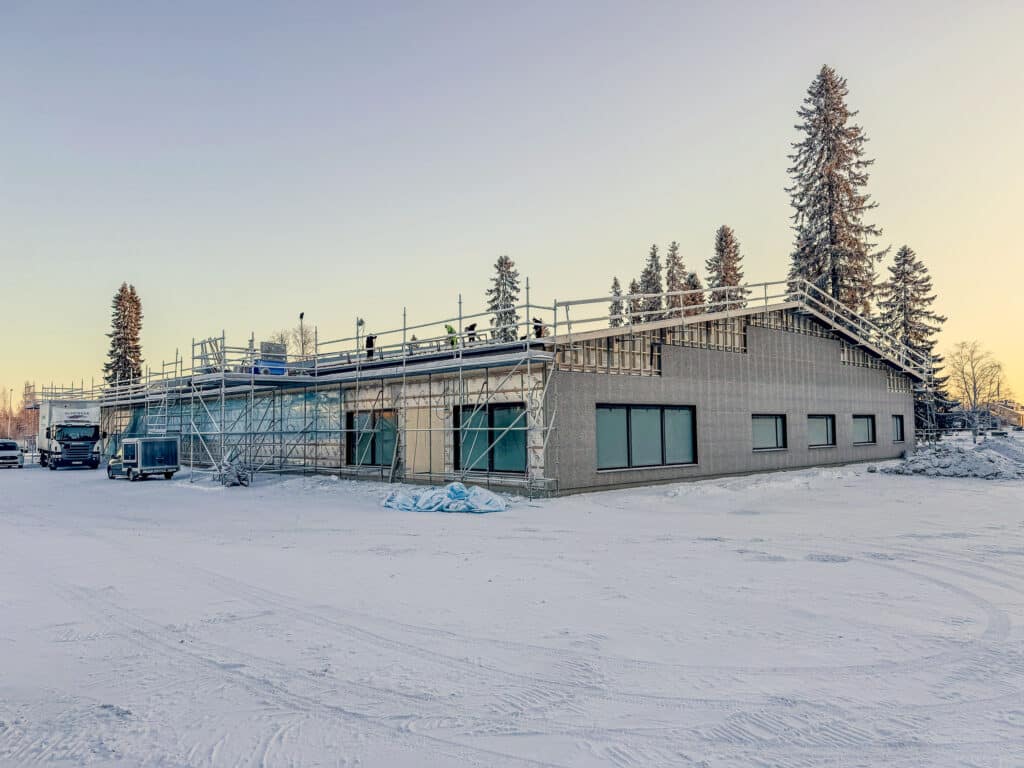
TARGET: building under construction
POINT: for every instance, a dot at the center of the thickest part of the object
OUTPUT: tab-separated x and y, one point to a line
564	398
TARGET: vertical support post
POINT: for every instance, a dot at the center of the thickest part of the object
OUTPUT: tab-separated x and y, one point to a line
223	392
529	314
192	418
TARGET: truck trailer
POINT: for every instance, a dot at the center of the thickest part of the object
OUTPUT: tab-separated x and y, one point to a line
69	434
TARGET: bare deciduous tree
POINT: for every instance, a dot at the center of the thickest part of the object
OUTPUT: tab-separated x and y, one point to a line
975	377
298	341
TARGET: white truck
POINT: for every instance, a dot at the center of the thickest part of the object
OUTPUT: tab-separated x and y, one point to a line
69	434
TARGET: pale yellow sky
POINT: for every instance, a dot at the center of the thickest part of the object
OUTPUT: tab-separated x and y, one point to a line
256	165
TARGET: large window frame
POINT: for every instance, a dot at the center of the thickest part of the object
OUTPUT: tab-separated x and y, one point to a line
489	432
830	430
639	415
781	430
873	428
899	428
373	449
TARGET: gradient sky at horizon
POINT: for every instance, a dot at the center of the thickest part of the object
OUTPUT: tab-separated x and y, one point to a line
242	162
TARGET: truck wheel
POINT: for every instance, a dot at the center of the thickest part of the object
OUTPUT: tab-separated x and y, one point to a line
110	474
51	465
168	475
132	477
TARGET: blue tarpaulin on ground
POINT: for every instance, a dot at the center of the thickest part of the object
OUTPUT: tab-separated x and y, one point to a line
454	497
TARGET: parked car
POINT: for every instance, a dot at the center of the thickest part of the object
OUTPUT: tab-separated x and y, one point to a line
10	454
140	457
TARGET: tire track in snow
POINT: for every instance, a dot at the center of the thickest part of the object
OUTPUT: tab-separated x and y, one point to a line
262	686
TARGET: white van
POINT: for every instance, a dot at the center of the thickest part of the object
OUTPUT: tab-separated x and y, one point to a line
10	454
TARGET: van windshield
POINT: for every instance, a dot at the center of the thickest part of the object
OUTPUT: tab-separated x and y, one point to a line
6	445
76	432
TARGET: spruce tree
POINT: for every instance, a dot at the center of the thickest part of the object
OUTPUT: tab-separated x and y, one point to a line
502	298
124	358
650	282
833	244
725	272
675	277
693	303
635	304
133	335
615	308
905	302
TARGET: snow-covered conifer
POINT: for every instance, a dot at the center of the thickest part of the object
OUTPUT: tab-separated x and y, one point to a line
905	306
502	298
693	303
650	282
675	276
124	358
635	304
615	308
725	272
833	244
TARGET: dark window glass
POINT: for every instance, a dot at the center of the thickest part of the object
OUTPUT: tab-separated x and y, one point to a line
385	430
821	431
645	436
370	438
612	438
769	431
474	437
509	437
491	438
863	429
897	428
680	436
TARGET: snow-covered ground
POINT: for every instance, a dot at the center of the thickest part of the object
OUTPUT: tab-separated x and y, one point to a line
814	618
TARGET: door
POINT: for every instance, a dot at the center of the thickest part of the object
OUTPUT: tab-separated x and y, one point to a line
424	445
130	457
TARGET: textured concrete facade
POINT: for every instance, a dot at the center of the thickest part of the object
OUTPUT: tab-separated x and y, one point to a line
781	373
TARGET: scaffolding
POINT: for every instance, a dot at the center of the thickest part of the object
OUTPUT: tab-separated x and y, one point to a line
452	399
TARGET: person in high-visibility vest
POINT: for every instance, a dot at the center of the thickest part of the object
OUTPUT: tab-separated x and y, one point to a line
453	336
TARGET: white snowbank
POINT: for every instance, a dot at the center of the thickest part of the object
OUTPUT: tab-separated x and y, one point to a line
824	617
990	460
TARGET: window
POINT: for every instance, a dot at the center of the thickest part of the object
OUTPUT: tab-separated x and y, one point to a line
491	438
863	430
612	438
370	438
897	428
769	431
821	431
634	436
129	452
645	443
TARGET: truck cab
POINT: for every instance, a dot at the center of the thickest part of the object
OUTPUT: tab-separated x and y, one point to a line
72	445
69	433
142	457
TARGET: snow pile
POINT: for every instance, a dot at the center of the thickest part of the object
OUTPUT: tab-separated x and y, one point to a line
944	460
454	497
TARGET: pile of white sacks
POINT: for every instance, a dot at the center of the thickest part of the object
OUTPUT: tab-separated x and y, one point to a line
990	460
